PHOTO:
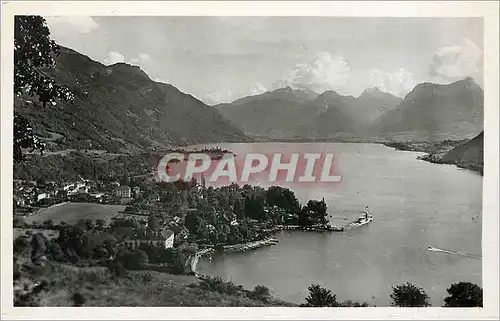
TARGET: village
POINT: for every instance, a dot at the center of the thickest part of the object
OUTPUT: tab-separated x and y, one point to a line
31	197
148	215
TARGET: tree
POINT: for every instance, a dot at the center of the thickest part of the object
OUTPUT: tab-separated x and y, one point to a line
48	224
38	246
283	198
34	52
318	210
124	180
21	245
320	297
464	294
55	251
100	224
19	222
71	239
78	299
239	209
254	207
260	293
193	223
409	295
116	269
133	260
304	218
153	223
178	263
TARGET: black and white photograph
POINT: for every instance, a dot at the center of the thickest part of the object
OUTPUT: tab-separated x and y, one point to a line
250	160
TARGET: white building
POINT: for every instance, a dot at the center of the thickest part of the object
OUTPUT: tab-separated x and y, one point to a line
41	196
123	191
68	186
168	235
79	190
97	195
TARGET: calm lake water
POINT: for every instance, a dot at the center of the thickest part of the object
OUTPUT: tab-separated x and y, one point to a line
416	205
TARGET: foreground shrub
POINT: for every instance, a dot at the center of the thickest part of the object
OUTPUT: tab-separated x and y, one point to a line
21	245
409	295
78	300
116	269
19	222
216	284
260	293
464	294
320	297
133	260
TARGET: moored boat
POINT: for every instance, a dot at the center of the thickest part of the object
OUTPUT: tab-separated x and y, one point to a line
362	220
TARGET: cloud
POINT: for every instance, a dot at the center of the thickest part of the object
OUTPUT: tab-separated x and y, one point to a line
333	72
398	82
323	72
457	62
257	89
71	24
227	96
141	58
113	58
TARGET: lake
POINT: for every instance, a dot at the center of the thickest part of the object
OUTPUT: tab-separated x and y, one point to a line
416	205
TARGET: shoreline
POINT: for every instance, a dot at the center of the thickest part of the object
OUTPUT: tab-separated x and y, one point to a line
193	259
252	245
269	241
434	152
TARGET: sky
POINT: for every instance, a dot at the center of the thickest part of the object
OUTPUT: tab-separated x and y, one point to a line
220	59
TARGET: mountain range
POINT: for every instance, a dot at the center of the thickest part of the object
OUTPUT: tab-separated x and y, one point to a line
430	112
119	108
433	112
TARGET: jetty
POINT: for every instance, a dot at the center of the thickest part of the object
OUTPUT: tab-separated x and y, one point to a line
250	245
193	260
309	228
364	219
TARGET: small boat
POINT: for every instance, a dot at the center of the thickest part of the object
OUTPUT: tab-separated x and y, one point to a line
362	220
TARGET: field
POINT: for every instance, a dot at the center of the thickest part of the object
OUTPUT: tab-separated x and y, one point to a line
71	213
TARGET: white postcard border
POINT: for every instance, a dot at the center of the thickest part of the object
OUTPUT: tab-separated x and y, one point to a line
490	240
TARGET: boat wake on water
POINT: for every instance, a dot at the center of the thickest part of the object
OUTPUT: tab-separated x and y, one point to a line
435	249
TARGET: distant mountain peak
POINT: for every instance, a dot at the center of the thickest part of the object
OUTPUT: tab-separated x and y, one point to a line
468	82
469	79
370	92
428	88
376	92
330	93
286	89
435	111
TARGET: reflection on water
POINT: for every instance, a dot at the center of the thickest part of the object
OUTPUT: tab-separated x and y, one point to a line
416	205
